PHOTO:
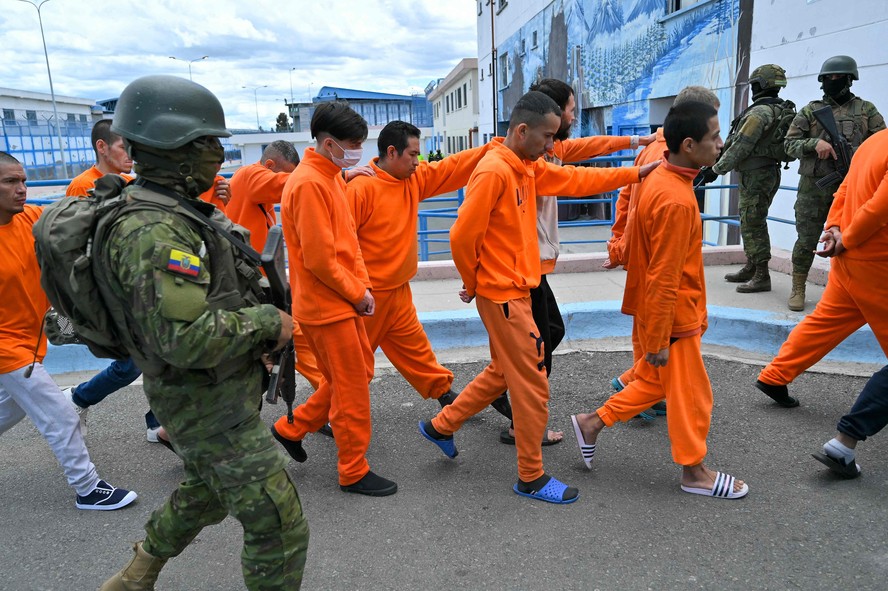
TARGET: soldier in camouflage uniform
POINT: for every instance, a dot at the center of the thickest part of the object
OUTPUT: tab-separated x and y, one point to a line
749	150
195	327
856	119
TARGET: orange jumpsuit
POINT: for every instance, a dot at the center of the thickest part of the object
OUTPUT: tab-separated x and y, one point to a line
210	196
385	211
328	278
86	180
495	248
254	192
666	293
617	245
857	288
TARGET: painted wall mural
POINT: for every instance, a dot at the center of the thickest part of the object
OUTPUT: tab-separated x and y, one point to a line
622	54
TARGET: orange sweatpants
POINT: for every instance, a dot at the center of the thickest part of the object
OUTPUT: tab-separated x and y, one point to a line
684	384
306	362
341	349
395	328
637	353
856	294
517	365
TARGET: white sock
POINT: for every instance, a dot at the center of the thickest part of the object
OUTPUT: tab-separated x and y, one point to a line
839	451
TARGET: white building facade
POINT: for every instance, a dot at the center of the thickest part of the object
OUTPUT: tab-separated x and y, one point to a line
455	109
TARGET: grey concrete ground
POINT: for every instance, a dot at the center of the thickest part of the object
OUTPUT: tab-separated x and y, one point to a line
456	524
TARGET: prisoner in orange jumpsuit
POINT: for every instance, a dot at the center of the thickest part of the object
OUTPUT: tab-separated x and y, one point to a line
666	292
617	244
111	158
385	208
331	291
856	237
255	190
495	248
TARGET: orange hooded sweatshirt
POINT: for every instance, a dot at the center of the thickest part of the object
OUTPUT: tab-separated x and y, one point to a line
494	239
385	211
86	180
254	192
860	207
327	272
665	287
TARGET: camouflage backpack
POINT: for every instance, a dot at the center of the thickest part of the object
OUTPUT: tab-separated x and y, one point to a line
784	113
64	243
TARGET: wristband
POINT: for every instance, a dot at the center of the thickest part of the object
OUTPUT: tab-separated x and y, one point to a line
633	142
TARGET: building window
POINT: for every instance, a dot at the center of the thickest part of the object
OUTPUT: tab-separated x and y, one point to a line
459	101
466	94
502	5
504	70
447	100
83	118
676	5
522	46
31	117
9	116
533	40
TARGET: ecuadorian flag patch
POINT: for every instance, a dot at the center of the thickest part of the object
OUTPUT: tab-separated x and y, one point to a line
184	263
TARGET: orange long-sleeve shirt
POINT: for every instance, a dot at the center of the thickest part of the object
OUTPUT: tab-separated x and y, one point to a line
494	239
86	180
210	196
385	211
254	192
860	207
665	287
21	296
327	272
651	153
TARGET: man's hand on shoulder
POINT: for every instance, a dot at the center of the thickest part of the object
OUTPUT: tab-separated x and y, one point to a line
647	140
648	169
353	173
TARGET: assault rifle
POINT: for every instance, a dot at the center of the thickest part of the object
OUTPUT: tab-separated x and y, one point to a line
283	377
839	143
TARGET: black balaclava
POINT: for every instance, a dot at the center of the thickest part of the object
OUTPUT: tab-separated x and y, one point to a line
758	93
838	90
189	169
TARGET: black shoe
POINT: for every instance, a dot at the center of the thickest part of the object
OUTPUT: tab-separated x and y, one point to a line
503	406
446	398
779	394
326	430
371	485
294	448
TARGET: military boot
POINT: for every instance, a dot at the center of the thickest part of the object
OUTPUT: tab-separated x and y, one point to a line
760	281
743	275
139	575
797	296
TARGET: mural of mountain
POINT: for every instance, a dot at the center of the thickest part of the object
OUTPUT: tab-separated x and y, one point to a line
608	18
645	7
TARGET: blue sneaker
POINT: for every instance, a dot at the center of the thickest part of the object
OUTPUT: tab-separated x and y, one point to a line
617	384
105	497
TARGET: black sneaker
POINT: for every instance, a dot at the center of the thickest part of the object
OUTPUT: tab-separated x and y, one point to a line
371	485
105	497
294	448
779	394
326	430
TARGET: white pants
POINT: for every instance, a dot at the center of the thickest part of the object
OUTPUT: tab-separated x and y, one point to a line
40	399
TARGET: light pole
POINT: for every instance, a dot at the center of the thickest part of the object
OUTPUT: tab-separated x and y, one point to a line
291	84
256	100
55	112
172	57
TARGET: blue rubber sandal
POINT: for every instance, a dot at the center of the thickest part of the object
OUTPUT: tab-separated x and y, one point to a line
446	445
553	492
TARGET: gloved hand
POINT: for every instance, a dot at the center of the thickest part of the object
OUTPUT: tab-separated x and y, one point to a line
708	174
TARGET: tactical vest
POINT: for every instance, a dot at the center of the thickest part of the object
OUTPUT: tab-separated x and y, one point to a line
235	282
851	122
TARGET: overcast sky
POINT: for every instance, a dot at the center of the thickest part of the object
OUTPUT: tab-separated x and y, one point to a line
96	48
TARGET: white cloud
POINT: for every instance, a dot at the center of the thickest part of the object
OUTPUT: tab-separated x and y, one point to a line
95	49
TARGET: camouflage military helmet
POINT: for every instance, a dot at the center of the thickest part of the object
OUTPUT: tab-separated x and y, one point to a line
838	64
769	76
167	112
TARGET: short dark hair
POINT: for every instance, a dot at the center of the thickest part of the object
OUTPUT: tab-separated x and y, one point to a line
397	134
102	131
8	159
532	108
689	119
282	149
555	89
337	119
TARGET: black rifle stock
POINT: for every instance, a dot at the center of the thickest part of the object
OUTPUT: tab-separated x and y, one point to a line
283	377
824	116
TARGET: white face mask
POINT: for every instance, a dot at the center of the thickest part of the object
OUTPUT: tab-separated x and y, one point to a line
349	157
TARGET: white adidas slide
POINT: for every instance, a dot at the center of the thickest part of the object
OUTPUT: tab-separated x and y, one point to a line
586	450
722	489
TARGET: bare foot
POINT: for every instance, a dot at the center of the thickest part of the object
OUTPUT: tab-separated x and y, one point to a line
591	425
162	434
551	436
700	476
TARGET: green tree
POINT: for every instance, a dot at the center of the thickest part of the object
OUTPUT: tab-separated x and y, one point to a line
282	123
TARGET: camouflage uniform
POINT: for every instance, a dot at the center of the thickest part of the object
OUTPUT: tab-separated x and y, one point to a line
746	151
857	119
199	331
